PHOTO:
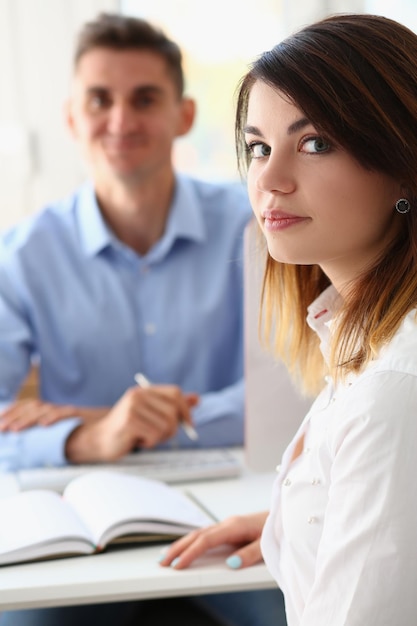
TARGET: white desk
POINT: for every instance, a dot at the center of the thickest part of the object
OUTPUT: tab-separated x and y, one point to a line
134	573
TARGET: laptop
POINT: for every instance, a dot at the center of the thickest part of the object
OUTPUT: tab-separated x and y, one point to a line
171	466
274	407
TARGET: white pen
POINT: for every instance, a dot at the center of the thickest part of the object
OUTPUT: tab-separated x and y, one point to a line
145	383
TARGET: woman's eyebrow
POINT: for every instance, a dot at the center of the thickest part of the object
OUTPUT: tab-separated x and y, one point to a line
252	130
297	125
292	128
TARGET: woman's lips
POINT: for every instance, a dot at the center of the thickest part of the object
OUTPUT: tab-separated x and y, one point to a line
278	220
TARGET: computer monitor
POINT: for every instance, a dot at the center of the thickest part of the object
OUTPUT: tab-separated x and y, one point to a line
274	407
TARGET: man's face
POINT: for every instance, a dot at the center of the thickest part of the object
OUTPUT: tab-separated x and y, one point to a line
125	112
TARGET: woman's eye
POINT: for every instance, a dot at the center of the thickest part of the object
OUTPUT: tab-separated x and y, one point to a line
258	150
315	145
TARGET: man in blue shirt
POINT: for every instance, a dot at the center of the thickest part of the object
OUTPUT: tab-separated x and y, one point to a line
95	312
138	271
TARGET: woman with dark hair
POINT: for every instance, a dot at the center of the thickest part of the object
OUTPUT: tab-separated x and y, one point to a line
327	126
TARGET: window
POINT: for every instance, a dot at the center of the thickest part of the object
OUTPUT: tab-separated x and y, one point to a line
404	11
218	40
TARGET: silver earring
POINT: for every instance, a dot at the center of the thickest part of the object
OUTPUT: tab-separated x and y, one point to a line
402	205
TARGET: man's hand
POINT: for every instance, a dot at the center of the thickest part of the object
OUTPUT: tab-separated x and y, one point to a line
141	418
26	413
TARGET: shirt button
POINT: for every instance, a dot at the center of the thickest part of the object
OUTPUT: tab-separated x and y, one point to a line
150	329
312	519
287	482
315	481
144	269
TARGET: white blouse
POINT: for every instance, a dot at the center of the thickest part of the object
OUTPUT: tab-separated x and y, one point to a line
341	537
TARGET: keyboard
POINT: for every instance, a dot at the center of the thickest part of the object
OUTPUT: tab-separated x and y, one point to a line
170	466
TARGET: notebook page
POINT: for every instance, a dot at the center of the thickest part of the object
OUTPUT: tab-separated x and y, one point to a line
105	500
39	518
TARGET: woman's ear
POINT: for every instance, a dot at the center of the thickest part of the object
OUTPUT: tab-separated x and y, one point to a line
187	116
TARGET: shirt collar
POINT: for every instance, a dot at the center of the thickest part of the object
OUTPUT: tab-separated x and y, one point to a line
94	232
321	316
185	220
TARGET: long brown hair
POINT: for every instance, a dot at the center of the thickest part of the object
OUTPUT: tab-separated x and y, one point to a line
355	79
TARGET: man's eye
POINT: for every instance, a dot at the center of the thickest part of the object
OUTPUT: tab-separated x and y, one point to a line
258	150
98	102
143	101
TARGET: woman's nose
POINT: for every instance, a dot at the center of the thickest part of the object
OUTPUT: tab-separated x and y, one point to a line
275	175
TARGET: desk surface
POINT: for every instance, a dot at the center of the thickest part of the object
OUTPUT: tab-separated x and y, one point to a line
134	573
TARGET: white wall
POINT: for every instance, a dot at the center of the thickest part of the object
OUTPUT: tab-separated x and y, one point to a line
37	159
301	12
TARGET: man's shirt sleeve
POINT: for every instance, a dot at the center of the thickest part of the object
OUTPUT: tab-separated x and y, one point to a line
35	447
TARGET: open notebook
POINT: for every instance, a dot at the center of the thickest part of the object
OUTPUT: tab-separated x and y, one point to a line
95	510
171	466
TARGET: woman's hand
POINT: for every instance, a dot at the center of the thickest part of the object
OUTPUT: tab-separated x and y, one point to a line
26	413
243	532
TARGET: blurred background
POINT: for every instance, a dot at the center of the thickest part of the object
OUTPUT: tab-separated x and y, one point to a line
38	161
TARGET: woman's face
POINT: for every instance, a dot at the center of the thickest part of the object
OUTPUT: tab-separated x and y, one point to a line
314	202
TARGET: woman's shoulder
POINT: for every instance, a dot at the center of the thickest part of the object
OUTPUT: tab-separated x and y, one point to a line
400	353
396	361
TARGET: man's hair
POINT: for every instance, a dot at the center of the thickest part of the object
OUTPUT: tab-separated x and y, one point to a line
355	79
119	32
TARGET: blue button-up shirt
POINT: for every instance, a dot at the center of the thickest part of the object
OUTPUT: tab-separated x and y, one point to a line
94	313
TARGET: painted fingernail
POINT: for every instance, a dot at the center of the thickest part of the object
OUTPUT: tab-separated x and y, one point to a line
175	561
234	561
